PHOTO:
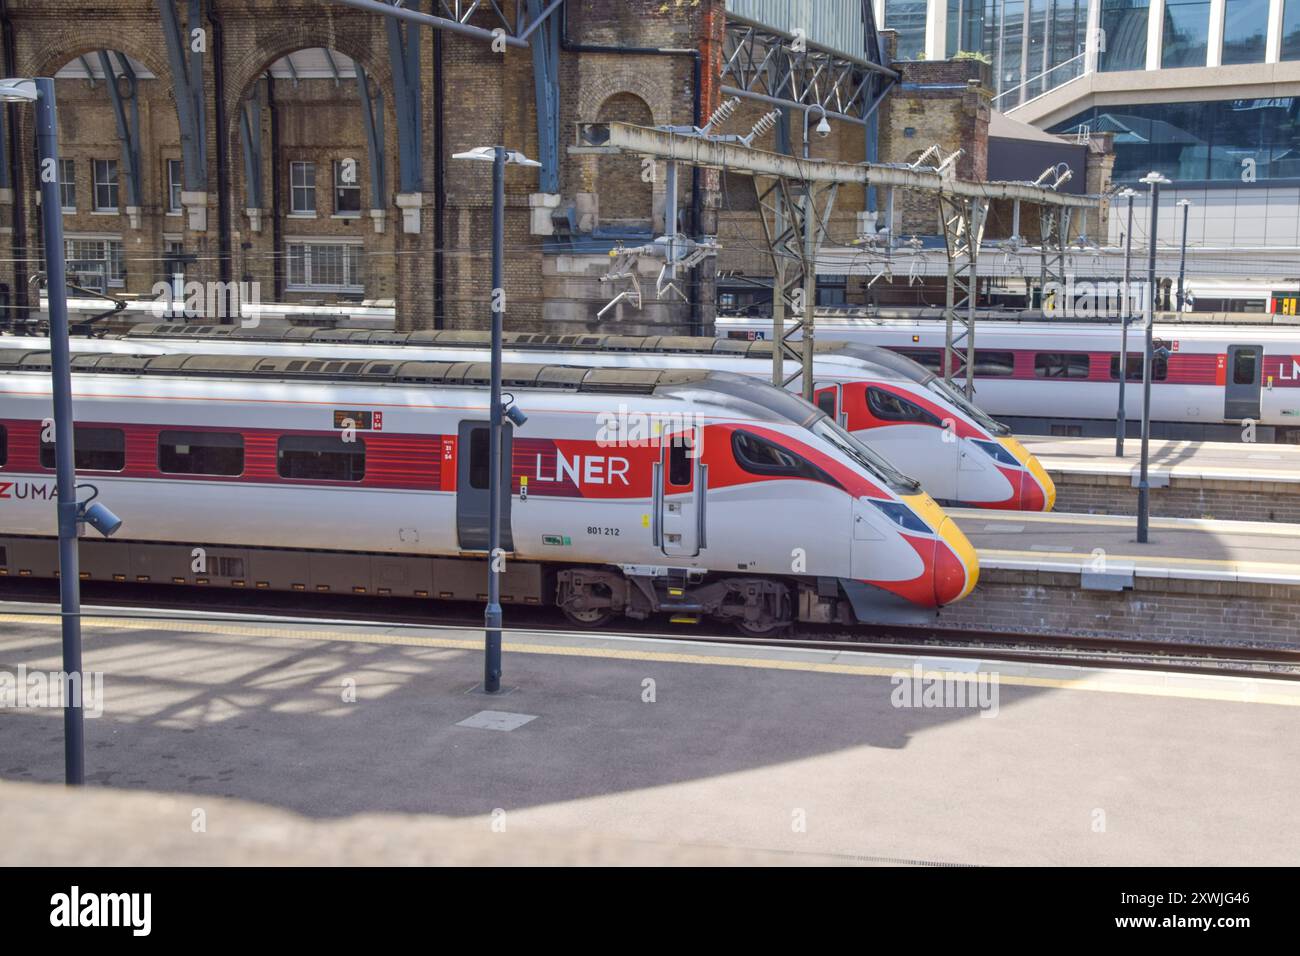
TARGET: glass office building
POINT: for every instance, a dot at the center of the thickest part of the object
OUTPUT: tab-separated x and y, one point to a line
1033	46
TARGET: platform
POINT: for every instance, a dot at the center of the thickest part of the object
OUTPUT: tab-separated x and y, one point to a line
1195	579
1230	480
703	747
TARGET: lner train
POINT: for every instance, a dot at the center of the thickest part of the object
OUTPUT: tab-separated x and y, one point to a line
1208	381
905	412
685	492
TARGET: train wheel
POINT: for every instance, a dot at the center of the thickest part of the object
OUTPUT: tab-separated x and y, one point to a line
591	618
762	631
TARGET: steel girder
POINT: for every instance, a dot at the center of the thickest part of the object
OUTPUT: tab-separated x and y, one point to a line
187	80
126	114
1054	223
760	62
961	220
793	229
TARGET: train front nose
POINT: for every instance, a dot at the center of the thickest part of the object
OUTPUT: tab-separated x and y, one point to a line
1037	490
956	565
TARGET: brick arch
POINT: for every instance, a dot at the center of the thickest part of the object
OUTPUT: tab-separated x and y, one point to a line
625	196
645	86
242	74
53	56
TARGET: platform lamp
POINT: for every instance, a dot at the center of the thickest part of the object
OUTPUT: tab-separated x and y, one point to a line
71	513
498	156
1155	180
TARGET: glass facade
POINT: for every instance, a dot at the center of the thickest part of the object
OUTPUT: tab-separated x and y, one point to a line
1187	33
908	18
1245	29
1124	35
1208	141
1291	30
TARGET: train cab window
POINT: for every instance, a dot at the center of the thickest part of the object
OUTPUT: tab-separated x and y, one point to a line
894	408
96	449
995	364
758	456
1159	369
826	401
4	445
201	453
679	463
321	458
1061	365
1243	367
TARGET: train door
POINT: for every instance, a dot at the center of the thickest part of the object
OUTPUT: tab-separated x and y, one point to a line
1241	392
472	495
681	487
829	399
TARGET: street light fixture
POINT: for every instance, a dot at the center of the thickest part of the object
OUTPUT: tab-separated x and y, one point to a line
70	512
498	156
1155	180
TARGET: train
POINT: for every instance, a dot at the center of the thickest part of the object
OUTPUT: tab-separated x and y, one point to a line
910	416
636	492
1209	382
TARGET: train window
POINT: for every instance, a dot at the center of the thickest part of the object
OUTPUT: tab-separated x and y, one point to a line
758	456
1061	365
321	458
995	364
1159	368
826	401
894	408
479	458
201	453
679	462
4	445
96	449
930	358
1243	367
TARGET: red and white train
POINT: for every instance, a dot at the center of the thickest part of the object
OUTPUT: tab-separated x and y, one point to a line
685	492
902	411
1207	380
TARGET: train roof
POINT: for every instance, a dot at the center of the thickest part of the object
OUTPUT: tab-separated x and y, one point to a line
365	371
468	338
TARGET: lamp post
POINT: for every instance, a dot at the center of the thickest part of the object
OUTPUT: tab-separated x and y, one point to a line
1182	255
40	91
1155	180
499	157
1121	423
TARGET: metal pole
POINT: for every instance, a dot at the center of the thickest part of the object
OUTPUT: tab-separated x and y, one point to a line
492	616
1144	485
1182	256
47	152
1121	423
809	268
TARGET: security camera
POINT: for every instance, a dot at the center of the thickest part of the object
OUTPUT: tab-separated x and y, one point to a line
101	519
823	128
516	415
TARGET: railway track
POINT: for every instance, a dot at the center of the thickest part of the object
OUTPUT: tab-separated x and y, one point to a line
1234	660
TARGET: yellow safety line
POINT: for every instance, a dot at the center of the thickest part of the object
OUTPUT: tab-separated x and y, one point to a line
1251	692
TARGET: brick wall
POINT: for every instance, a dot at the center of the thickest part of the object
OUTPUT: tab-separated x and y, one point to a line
1179	611
1182	498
